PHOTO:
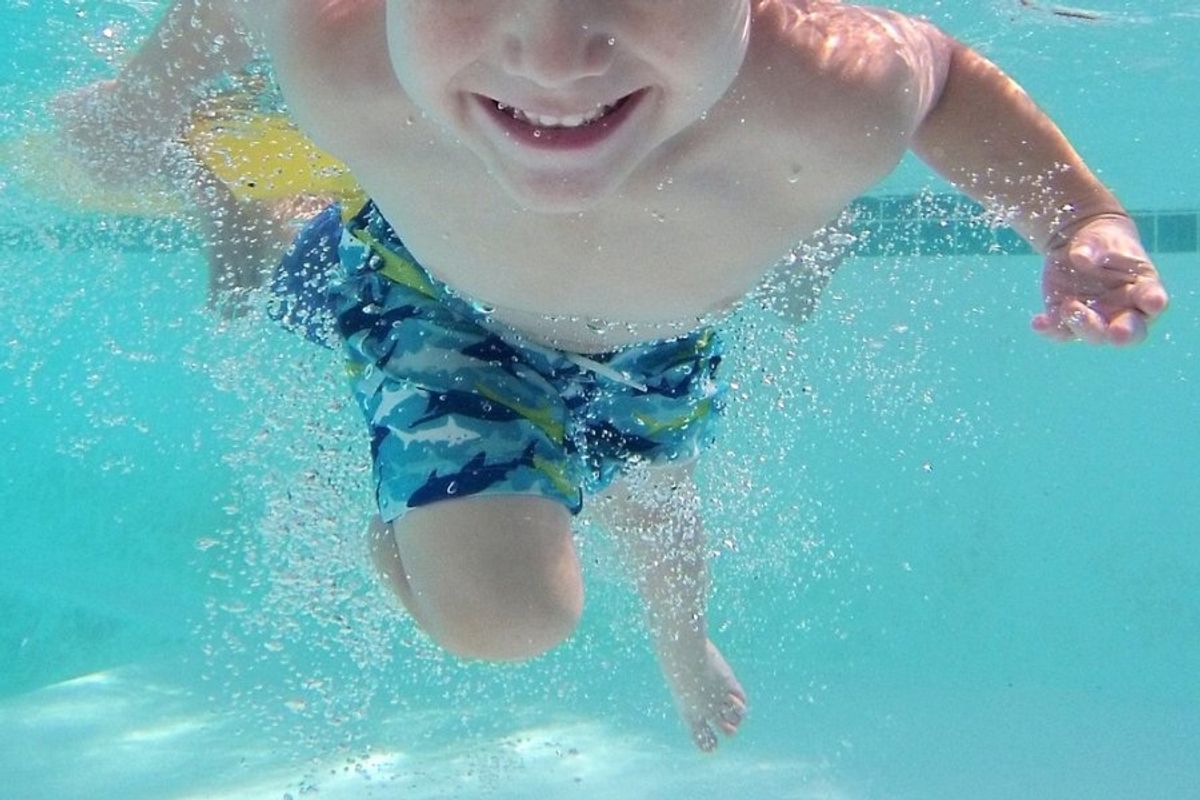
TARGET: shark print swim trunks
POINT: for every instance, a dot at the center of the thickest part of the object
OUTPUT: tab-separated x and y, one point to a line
458	405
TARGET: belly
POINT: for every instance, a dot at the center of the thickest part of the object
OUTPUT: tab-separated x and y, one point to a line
589	306
585	335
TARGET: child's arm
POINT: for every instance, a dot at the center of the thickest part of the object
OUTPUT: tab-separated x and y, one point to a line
126	131
988	137
122	129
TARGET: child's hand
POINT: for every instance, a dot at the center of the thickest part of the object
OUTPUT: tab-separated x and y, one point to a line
1099	285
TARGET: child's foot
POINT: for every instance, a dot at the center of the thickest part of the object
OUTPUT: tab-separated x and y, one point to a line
707	695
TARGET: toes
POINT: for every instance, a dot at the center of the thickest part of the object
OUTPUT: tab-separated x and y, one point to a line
731	714
727	718
703	736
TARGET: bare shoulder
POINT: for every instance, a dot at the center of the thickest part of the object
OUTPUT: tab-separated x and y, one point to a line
891	60
333	18
324	46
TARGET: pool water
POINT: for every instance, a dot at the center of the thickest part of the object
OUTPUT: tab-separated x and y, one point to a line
950	560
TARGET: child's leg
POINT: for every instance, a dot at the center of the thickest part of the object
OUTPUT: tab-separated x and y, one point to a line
493	577
655	518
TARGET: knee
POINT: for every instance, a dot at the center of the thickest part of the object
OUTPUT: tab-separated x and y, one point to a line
494	579
508	624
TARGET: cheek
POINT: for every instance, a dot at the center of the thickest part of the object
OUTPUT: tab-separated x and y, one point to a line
431	43
697	33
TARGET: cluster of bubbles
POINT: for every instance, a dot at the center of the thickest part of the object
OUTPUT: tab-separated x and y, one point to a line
298	630
298	633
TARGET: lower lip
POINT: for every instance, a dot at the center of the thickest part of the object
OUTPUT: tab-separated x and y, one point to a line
578	138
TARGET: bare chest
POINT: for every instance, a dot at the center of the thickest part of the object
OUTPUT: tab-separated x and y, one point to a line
689	235
692	230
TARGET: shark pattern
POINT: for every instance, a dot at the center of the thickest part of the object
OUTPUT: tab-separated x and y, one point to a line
473	478
615	440
467	404
444	393
449	434
495	350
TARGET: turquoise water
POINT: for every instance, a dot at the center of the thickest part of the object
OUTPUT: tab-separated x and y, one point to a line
950	560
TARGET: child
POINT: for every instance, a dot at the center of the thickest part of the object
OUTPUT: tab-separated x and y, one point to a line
566	194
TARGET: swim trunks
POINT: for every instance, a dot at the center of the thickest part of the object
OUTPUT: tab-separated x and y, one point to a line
459	404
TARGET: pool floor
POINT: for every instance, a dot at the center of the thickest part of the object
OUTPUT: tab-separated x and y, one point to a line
139	733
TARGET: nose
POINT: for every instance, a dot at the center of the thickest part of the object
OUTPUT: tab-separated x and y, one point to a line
555	42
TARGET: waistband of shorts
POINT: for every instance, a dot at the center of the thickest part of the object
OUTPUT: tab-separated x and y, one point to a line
701	341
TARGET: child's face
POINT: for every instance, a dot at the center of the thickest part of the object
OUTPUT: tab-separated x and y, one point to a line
564	99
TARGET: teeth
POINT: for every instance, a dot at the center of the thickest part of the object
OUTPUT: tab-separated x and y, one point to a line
545	121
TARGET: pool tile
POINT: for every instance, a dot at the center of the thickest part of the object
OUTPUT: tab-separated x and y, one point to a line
973	238
896	207
865	209
1176	233
887	225
1010	243
1145	223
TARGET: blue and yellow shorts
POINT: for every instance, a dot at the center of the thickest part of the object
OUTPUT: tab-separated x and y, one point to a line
458	405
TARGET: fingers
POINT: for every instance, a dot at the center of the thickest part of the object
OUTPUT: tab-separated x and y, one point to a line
1118	308
1128	327
1127	261
1048	327
1149	297
1074	320
1101	288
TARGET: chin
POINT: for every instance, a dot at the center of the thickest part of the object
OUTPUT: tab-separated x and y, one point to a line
558	194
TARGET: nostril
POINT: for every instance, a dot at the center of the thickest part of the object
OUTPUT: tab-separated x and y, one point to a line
551	59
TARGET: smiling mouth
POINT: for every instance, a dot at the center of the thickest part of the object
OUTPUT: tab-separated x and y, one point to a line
565	132
572	121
